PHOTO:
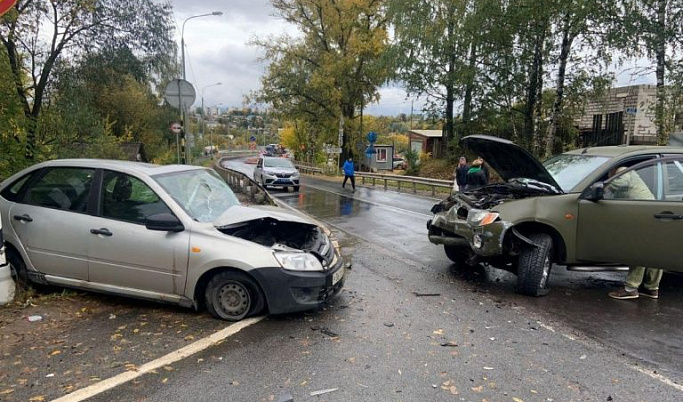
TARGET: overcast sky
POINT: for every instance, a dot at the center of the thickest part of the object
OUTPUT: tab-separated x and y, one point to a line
216	50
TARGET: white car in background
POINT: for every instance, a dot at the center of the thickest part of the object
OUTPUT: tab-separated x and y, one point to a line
276	172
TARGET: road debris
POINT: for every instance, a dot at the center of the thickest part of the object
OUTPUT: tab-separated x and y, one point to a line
449	344
418	294
389	324
324	391
34	318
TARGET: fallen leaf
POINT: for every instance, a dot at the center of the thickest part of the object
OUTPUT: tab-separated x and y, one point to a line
478	389
168	368
6	391
164	381
438	332
517	399
55	352
37	398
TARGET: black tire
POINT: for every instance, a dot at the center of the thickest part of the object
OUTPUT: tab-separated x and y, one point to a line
17	268
459	255
534	265
296	189
232	296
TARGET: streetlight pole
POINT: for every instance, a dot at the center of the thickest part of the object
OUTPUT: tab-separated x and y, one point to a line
182	35
204	120
182	57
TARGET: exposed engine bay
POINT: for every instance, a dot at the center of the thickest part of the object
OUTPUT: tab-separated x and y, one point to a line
283	236
491	195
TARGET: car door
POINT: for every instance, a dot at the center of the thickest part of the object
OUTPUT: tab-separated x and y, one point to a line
641	227
51	222
122	251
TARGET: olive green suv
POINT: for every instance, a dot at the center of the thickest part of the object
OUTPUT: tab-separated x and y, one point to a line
570	210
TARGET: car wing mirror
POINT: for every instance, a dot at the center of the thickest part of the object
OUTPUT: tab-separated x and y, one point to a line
595	192
164	222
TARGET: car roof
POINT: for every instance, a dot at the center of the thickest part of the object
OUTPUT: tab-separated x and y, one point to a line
148	169
618	150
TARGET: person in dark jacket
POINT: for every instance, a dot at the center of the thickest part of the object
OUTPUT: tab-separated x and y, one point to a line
348	173
461	175
476	177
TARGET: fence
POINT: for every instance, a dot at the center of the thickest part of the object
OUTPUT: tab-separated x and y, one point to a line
410	181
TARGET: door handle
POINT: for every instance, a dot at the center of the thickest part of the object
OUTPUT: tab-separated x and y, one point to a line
668	215
102	231
23	217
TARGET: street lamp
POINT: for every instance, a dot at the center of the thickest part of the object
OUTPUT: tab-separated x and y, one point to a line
182	35
182	53
204	120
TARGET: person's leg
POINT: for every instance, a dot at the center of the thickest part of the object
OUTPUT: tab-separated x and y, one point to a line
634	277
345	179
652	278
631	284
353	182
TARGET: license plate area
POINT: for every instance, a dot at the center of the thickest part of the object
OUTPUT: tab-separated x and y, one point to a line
337	276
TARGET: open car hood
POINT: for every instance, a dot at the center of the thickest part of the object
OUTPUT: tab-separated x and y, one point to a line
239	214
509	160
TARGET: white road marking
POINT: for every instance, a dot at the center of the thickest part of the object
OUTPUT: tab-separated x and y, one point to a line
198	346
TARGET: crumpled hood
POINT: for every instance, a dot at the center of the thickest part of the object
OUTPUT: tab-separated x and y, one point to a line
240	214
508	159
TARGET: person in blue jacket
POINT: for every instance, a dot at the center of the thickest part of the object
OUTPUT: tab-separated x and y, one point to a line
348	173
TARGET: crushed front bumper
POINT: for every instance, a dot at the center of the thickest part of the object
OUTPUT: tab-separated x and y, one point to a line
291	291
486	241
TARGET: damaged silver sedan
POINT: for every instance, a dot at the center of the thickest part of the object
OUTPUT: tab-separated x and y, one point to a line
174	234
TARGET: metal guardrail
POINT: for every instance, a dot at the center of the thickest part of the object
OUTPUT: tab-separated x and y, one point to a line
307	167
412	181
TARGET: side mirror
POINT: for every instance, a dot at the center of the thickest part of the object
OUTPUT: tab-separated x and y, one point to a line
595	192
164	222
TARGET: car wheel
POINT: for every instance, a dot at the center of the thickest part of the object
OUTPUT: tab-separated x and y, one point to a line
533	267
296	188
17	268
459	255
233	296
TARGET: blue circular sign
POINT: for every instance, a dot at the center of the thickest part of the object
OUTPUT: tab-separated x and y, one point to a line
252	139
372	137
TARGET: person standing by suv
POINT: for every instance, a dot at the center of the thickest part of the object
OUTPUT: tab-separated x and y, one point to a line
461	175
348	173
631	187
476	176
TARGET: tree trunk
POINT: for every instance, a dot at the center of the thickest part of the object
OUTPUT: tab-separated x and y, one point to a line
532	96
565	50
469	88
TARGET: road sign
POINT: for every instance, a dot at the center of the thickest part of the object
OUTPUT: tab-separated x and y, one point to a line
631	110
5	5
332	150
252	138
372	137
369	151
176	128
180	94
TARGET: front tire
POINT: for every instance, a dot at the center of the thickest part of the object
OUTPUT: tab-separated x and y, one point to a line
17	268
232	296
459	255
534	265
296	189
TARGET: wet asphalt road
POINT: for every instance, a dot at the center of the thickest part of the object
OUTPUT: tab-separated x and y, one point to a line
409	328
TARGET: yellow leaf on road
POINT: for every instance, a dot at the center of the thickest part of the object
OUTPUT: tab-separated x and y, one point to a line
37	398
6	391
55	352
438	332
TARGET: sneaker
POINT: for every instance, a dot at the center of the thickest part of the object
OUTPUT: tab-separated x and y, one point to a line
652	294
623	294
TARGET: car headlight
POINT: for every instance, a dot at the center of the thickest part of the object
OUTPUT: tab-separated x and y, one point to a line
479	217
295	174
298	261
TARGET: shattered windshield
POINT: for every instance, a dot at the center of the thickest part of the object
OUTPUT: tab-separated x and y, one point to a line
569	169
203	194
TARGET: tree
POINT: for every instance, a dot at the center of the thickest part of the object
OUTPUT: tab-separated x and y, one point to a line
36	34
430	52
332	71
657	27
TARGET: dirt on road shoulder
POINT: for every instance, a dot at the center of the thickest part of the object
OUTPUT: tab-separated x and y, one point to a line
55	342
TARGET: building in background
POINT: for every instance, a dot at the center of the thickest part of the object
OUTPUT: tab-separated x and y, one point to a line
624	115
